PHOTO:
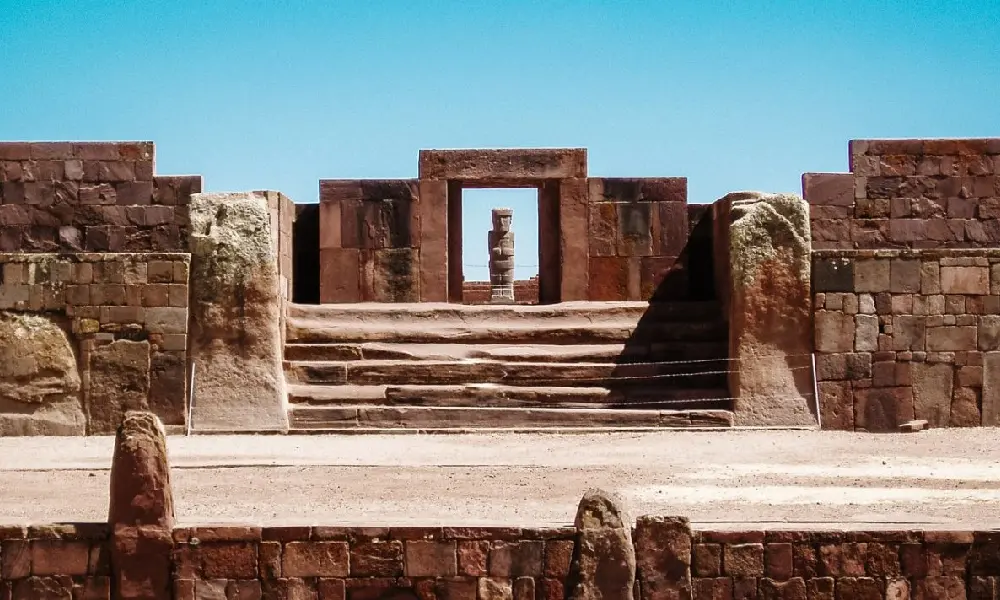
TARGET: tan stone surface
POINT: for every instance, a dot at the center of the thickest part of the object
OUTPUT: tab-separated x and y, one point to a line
932	390
770	309
235	314
39	380
604	564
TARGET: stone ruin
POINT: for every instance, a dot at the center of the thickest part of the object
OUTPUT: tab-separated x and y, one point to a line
871	301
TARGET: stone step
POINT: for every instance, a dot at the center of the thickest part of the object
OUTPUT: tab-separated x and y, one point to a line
502	396
508	352
323	418
439	313
305	331
707	374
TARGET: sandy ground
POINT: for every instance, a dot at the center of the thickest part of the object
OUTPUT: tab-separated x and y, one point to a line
776	479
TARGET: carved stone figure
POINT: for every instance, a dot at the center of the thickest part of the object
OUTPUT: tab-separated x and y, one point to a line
502	257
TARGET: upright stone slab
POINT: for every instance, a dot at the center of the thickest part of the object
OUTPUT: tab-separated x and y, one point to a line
39	379
604	563
769	308
141	510
235	337
119	382
663	557
501	240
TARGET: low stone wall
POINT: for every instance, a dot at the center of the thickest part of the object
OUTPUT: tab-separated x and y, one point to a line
124	319
370	563
479	292
904	334
55	561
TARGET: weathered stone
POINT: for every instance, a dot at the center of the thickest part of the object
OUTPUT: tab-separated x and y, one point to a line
871	275
965	280
604	566
904	276
495	589
965	408
932	390
39	380
882	409
769	307
141	509
235	336
834	332
119	382
866	333
501	248
951	339
991	389
833	275
663	557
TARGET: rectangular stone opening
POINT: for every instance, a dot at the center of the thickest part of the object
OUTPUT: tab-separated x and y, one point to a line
477	245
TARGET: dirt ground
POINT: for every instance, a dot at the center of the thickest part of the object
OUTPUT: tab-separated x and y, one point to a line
775	479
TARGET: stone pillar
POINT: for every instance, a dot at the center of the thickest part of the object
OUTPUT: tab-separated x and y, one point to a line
141	512
604	563
502	257
235	314
768	303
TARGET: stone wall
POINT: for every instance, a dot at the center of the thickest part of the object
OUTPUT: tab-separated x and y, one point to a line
371	563
126	317
844	564
904	292
904	335
479	292
55	561
909	194
93	197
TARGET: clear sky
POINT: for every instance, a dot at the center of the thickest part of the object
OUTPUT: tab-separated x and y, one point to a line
733	95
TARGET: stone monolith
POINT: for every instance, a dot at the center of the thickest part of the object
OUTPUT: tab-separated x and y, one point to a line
502	257
604	561
769	308
235	332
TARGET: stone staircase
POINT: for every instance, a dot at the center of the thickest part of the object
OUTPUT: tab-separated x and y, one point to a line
450	366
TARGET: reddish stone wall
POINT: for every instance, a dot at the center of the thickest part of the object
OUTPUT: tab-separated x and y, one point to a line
478	292
55	561
905	284
909	194
845	564
638	231
94	197
371	563
105	298
71	561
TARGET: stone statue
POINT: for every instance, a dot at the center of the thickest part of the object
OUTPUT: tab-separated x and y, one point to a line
502	258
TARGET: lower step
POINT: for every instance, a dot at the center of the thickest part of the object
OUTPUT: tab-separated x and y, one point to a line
304	418
503	396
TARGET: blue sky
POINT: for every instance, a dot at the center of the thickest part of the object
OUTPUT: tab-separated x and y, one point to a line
733	95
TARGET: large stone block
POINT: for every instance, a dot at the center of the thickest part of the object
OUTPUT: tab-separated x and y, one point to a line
770	308
503	165
119	382
39	379
235	336
933	384
663	557
141	493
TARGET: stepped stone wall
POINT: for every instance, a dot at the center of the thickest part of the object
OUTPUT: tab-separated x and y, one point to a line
905	284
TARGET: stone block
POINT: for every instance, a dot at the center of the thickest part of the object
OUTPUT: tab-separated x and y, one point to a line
472	558
836	405
932	392
608	279
882	409
866	333
395	276
59	557
706	560
872	275
833	275
603	228
431	559
604	566
904	276
235	301
229	560
503	165
836	189
965	408
951	339
743	560
315	559
635	229
965	280
574	249
673	222
377	559
40	396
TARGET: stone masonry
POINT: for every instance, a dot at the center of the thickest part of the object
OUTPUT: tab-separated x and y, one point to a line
905	284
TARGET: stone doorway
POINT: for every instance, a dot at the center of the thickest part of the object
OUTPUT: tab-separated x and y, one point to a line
470	221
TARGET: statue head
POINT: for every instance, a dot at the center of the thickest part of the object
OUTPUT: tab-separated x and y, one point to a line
501	219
